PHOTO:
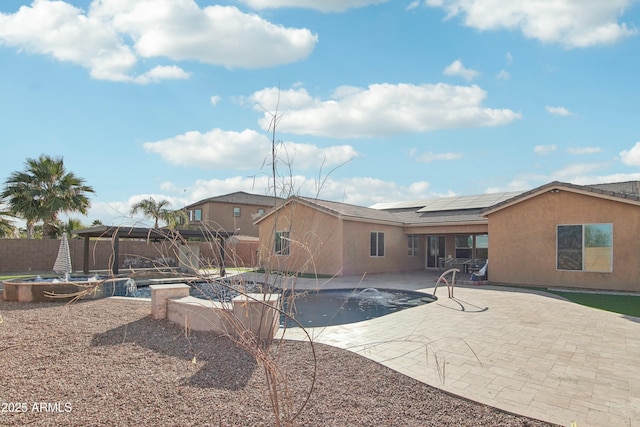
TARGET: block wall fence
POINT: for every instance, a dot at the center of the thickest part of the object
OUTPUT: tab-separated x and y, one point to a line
37	256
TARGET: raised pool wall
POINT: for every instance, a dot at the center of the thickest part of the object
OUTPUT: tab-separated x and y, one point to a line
255	313
34	291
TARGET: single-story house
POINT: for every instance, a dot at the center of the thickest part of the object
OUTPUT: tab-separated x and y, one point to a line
559	234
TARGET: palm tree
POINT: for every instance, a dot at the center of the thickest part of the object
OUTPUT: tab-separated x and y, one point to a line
21	198
43	191
158	212
7	229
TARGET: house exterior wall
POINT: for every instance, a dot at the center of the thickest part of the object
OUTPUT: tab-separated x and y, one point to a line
316	241
220	216
522	241
357	249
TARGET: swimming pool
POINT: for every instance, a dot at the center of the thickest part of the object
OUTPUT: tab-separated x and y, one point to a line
338	307
317	308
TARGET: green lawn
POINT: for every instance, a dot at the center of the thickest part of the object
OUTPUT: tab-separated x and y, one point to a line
623	304
14	277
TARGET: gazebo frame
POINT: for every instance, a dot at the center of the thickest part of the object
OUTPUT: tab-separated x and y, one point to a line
116	233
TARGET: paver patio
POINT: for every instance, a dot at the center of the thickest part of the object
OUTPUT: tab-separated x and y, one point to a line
525	352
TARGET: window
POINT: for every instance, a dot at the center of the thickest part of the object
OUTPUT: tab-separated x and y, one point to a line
377	243
482	246
195	215
260	211
236	211
586	247
464	245
282	243
413	245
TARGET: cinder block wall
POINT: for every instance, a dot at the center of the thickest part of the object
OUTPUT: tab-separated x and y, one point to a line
38	256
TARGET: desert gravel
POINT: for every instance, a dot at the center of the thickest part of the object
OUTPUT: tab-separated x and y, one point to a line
108	363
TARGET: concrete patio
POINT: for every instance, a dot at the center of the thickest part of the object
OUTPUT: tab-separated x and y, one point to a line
521	351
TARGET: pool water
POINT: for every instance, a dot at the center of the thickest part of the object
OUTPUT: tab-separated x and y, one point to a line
319	308
338	307
207	290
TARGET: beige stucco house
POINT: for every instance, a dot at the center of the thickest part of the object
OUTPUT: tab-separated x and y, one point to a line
556	235
234	213
568	236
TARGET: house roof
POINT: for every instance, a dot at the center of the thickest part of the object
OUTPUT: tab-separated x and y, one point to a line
350	211
240	197
626	187
452	217
461	209
474	201
628	192
400	217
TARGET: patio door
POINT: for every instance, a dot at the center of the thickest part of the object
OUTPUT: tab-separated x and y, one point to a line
435	251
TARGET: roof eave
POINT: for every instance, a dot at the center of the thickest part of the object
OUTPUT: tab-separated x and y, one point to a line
557	186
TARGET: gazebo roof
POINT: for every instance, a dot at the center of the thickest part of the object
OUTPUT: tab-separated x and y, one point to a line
109	231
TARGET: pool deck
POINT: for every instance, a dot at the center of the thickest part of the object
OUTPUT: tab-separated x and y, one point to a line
522	351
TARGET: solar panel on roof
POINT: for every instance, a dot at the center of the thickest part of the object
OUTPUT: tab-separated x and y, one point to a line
467	202
450	203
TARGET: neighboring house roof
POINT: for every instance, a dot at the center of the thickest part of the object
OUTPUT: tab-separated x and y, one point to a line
241	198
628	192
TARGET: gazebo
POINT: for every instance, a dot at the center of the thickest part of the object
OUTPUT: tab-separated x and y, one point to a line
115	233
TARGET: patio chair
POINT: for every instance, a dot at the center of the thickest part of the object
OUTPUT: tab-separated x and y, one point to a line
482	273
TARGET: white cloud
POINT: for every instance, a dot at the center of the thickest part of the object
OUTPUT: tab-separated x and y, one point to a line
543	150
508	57
160	73
115	34
457	69
180	30
605	179
584	150
572	171
214	100
571	23
54	28
558	111
219	149
503	75
380	110
321	5
436	157
631	157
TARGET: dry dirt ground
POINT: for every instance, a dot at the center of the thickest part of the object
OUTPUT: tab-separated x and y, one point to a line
108	363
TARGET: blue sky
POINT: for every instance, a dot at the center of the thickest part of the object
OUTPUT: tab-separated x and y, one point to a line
378	100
